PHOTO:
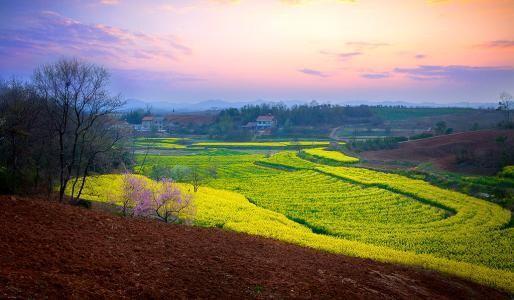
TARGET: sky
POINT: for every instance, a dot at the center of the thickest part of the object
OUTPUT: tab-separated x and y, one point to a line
441	51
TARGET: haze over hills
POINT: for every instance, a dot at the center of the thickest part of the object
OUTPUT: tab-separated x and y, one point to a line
216	104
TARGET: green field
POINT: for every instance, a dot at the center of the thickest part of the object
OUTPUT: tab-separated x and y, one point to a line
402	113
158	143
346	210
331	156
265	145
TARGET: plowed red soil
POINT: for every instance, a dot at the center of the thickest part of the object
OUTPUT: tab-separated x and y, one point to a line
51	250
442	151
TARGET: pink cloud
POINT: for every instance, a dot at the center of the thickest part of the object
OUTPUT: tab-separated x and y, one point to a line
51	34
110	2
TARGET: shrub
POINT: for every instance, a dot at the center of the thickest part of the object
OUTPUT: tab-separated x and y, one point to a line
378	143
84	203
423	135
507	172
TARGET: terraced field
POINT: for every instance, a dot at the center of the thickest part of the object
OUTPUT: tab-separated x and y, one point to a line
331	156
266	145
226	166
352	211
159	143
328	204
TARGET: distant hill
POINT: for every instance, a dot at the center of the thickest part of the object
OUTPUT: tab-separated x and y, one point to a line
162	106
217	104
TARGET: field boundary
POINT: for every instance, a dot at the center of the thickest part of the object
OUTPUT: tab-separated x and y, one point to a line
449	212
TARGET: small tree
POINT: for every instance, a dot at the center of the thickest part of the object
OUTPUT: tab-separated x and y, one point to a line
440	127
158	172
296	145
164	201
213	170
136	198
505	104
195	178
170	204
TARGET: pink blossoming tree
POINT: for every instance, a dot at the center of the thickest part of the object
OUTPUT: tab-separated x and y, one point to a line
164	201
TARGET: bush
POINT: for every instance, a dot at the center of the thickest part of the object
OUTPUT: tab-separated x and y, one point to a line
84	203
423	135
507	172
177	173
377	144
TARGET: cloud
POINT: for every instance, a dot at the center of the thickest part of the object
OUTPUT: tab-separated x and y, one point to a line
175	9
109	2
342	55
298	2
51	34
144	76
312	72
420	56
376	75
359	46
224	1
499	44
287	2
459	73
348	55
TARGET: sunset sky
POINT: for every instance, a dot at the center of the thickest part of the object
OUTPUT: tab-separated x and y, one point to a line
324	50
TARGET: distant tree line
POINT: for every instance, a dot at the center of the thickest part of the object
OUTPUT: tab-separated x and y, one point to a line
58	128
298	118
135	116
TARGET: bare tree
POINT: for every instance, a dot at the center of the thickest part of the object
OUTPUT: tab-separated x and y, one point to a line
195	178
101	139
21	138
505	104
77	100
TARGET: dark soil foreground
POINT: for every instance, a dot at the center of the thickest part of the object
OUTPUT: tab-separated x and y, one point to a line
50	250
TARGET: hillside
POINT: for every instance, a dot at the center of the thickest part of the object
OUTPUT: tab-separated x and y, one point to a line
54	250
473	152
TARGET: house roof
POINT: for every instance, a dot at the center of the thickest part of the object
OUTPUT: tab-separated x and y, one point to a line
153	118
267	118
198	119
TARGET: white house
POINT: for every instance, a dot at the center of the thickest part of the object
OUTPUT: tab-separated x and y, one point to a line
266	122
150	123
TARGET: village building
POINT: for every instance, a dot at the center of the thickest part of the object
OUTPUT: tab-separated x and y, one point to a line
266	122
153	123
263	125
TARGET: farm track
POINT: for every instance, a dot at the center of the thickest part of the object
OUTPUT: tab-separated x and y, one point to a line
59	251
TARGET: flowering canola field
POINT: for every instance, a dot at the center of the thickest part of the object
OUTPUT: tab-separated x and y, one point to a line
348	210
335	156
266	145
158	143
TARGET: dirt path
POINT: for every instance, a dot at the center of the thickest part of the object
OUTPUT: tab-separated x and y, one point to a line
59	251
333	133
